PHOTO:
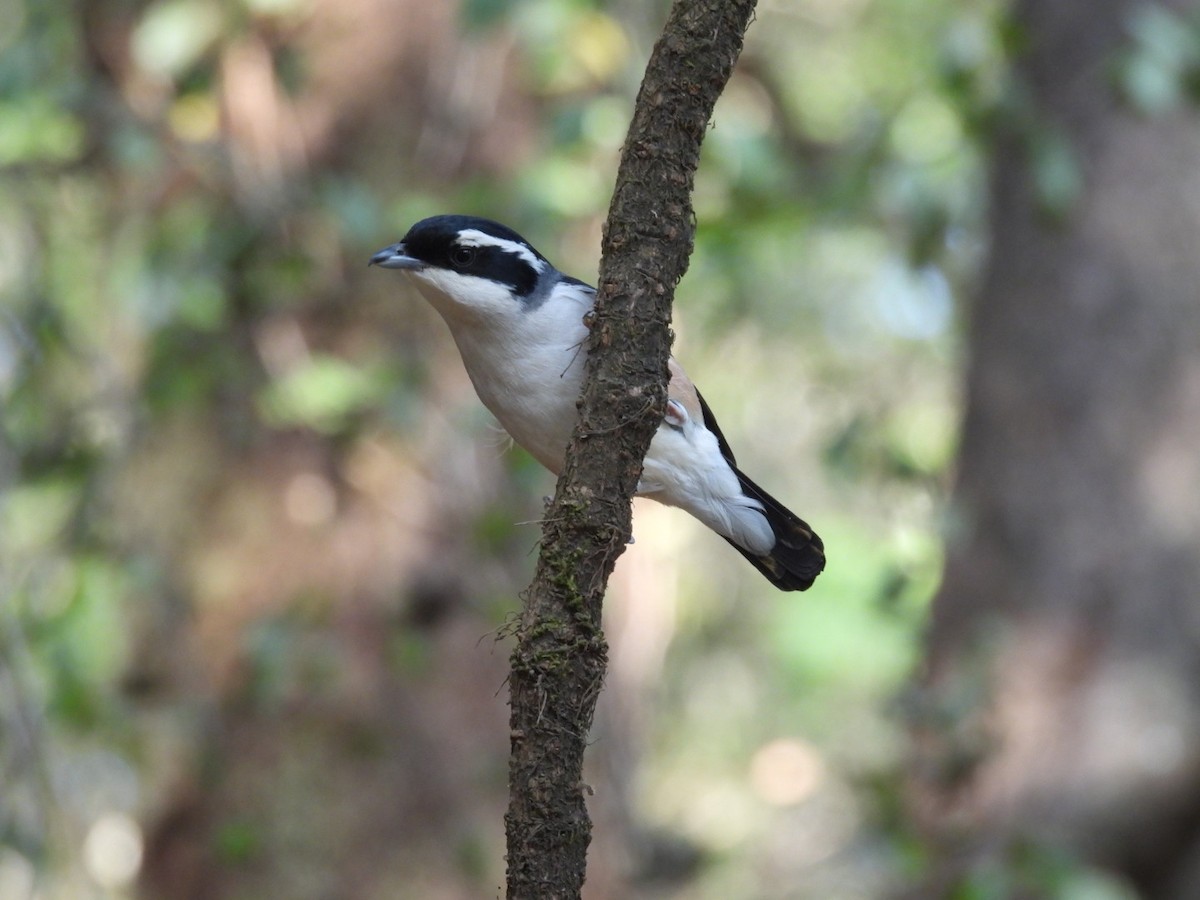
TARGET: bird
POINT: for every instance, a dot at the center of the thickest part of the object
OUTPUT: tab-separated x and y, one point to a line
521	327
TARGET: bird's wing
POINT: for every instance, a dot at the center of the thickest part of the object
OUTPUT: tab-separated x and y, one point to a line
682	390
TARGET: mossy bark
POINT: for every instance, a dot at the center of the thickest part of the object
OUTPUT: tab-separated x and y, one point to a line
559	662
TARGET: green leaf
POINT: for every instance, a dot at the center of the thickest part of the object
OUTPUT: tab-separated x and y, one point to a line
1057	176
321	395
173	36
34	129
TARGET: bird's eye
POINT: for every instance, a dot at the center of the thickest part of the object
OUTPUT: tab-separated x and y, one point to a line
461	257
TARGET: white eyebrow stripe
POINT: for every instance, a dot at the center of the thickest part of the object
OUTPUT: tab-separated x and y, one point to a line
473	237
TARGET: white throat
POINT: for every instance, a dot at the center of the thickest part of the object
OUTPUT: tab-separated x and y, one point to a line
526	363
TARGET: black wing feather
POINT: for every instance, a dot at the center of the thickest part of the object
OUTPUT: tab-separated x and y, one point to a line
798	556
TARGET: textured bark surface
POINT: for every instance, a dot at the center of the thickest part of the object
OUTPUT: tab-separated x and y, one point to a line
559	662
1063	687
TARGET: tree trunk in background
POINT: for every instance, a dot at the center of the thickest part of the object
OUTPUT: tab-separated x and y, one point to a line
1061	700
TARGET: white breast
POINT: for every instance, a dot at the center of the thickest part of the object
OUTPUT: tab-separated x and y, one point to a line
527	367
526	364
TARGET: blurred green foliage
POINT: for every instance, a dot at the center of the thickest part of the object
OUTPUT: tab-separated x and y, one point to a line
171	264
1160	70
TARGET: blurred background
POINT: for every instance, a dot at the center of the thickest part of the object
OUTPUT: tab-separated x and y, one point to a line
259	542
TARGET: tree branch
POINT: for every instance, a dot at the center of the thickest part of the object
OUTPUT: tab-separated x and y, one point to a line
559	662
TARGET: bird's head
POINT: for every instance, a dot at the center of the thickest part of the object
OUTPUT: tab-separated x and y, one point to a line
466	265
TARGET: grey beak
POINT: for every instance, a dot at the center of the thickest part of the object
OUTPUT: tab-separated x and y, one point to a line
394	257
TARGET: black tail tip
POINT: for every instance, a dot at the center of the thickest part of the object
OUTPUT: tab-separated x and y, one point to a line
798	556
795	561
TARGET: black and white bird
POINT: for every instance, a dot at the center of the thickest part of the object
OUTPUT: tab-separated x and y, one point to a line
520	327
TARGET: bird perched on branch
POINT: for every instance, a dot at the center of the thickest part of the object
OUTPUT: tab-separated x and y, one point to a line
521	327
